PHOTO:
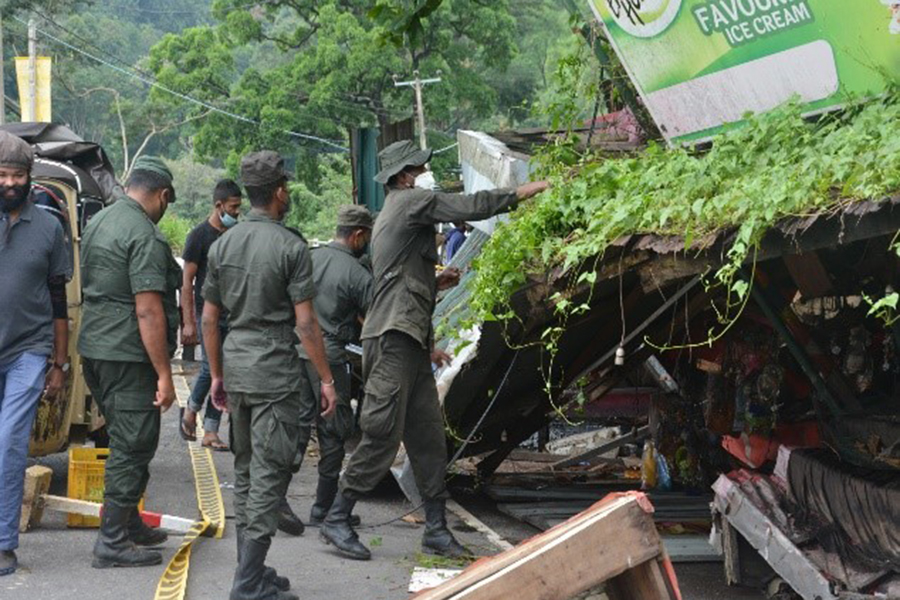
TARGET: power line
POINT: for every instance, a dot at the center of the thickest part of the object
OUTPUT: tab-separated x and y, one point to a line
185	97
175	11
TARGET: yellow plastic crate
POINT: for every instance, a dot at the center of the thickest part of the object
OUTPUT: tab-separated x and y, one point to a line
87	467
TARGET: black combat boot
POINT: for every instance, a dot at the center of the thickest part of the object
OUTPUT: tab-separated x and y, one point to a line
8	562
143	535
336	530
438	539
326	491
113	548
250	581
288	522
270	574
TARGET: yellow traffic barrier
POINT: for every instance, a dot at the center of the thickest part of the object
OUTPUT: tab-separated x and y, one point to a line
173	583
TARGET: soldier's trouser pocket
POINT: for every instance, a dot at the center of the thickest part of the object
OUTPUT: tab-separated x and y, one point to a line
282	431
134	435
379	412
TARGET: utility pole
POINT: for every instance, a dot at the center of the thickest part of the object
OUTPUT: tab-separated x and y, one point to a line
417	85
32	67
2	77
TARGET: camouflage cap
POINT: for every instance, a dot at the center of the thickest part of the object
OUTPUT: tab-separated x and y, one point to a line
15	152
354	215
398	156
263	168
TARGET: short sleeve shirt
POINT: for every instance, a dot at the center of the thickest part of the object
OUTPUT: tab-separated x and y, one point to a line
33	249
196	250
124	253
258	273
343	291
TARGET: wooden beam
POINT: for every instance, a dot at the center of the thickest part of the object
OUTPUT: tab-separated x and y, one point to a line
37	483
608	539
809	275
644	582
632	436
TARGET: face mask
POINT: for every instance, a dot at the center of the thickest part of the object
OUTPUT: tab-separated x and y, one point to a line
426	181
9	204
227	220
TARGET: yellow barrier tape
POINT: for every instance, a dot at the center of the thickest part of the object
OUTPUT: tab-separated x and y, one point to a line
173	583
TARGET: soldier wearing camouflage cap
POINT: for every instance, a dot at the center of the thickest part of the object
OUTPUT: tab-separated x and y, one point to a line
343	291
401	401
128	336
261	273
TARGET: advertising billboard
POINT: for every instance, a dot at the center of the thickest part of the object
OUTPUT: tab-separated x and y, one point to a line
699	64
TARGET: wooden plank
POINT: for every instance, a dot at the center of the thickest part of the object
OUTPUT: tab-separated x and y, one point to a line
643	582
809	275
600	543
732	553
37	482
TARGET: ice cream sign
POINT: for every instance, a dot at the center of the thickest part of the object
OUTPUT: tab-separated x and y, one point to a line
699	64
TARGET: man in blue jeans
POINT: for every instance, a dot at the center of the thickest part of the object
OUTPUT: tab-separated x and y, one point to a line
224	215
34	329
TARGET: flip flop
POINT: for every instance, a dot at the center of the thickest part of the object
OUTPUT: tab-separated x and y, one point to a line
216	446
186	434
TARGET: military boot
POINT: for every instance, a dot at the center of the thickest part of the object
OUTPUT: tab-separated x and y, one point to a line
270	574
113	548
337	531
326	491
289	522
8	562
250	581
143	535
438	539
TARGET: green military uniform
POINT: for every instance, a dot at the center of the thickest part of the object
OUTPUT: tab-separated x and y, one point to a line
401	402
259	271
343	290
123	254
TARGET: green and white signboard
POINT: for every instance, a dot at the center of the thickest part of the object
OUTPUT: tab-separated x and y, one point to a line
699	64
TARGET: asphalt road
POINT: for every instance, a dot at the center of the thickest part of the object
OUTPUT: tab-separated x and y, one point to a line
55	561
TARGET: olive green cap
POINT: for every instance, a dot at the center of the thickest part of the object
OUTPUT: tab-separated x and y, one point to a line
354	215
398	156
155	165
15	152
263	168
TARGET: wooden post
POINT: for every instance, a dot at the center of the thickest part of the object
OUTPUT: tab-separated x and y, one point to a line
37	483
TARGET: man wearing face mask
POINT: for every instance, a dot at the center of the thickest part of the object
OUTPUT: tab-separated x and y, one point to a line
401	401
261	273
225	213
128	336
343	291
34	327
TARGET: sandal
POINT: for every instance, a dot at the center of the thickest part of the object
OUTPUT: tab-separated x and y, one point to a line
188	433
215	445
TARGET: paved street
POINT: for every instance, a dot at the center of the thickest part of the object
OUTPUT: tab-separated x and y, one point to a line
56	560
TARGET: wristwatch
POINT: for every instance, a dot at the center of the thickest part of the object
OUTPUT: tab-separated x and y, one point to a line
64	367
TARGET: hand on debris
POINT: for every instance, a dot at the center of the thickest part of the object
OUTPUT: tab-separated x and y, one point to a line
165	393
440	358
218	395
532	189
329	399
448	278
56	381
189	335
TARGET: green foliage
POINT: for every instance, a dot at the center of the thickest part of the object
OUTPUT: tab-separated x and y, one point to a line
194	184
315	213
176	230
776	165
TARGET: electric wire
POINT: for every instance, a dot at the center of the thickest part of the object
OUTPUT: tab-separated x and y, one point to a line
151	82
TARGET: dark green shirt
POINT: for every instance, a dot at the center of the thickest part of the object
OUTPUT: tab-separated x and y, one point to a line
343	291
259	271
404	255
124	253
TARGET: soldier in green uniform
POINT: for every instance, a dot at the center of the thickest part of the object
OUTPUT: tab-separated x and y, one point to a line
261	273
401	402
343	290
128	335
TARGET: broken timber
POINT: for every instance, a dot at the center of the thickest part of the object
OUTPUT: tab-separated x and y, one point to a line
614	542
628	438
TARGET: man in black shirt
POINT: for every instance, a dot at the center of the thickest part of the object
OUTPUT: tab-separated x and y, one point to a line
227	209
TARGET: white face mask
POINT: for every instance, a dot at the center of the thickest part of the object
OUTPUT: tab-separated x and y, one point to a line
426	181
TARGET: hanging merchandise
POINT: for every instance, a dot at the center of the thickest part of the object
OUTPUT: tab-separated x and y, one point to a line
648	466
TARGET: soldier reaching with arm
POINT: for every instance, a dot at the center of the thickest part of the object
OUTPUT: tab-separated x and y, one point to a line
401	402
261	274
